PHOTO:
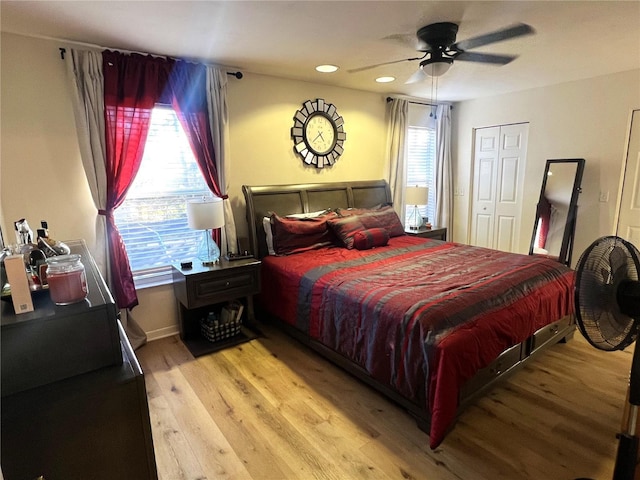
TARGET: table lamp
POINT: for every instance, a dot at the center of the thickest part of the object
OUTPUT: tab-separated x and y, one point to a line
206	214
415	196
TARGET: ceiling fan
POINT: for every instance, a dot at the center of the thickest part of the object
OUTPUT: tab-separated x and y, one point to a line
438	42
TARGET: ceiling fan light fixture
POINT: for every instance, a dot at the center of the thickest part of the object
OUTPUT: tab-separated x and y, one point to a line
385	79
437	68
326	68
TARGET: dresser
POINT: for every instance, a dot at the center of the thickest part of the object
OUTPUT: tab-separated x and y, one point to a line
74	403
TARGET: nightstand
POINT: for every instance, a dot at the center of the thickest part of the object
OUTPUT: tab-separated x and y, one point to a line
438	233
200	290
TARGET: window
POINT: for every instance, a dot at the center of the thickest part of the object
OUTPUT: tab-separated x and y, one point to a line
421	160
153	218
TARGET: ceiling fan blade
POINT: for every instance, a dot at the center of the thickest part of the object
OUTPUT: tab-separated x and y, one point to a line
516	30
408	40
369	67
417	77
485	58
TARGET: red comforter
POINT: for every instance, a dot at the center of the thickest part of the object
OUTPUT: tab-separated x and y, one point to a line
421	316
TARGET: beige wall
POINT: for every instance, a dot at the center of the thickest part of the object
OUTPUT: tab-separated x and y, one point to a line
42	175
261	111
584	119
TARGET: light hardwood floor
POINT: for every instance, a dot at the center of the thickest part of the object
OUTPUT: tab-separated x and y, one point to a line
271	409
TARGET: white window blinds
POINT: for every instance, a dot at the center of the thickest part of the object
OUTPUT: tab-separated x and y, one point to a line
421	165
153	218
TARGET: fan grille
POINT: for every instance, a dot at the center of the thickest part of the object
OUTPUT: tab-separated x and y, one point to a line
607	263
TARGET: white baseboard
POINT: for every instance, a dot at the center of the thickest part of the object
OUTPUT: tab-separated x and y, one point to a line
162	333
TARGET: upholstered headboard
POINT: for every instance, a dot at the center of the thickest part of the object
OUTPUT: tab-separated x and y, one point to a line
303	198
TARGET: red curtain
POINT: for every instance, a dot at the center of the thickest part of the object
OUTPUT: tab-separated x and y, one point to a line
132	86
188	87
544	214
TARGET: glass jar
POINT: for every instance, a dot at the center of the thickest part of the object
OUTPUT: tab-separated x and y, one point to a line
67	279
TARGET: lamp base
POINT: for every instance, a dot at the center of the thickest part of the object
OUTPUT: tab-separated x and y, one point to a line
208	252
415	220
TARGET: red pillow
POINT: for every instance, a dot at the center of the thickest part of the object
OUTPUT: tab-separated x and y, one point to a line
383	217
372	237
345	228
294	235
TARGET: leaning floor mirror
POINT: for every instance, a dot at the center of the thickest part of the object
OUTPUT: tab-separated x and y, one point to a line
556	213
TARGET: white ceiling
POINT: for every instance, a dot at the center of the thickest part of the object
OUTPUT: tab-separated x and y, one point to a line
573	40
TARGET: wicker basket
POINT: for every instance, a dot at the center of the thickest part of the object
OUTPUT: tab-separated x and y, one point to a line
214	330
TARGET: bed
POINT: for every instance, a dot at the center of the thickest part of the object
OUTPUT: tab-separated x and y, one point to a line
430	324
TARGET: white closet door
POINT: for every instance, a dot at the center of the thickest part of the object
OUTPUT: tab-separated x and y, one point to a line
629	216
485	165
510	179
499	164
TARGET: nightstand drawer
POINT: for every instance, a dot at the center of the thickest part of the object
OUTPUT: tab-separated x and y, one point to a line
208	290
225	281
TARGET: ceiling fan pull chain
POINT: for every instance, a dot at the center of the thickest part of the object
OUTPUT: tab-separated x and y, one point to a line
431	112
435	104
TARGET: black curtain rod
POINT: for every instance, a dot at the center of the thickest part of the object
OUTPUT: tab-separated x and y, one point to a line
238	75
416	103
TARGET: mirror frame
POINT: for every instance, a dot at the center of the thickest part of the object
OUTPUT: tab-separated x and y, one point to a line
566	248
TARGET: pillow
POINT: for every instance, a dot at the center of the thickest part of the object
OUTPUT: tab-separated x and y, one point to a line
345	228
319	213
383	217
345	212
372	237
295	235
268	232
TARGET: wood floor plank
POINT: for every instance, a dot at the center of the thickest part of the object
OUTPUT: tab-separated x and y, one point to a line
174	456
209	445
238	407
333	433
279	411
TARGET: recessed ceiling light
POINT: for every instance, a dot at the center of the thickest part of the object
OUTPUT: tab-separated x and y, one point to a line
326	68
385	79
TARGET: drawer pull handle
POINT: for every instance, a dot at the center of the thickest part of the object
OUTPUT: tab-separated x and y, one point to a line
226	284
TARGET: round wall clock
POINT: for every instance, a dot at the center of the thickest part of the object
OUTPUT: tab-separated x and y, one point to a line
318	133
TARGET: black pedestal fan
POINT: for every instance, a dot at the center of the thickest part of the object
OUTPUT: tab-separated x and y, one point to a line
607	305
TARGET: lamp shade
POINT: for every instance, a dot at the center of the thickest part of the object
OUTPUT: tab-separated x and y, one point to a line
416	195
205	214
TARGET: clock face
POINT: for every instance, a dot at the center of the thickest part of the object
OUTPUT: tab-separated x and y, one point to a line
318	133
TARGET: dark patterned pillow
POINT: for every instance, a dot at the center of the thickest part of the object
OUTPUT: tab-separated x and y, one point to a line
345	228
383	217
372	237
345	212
295	235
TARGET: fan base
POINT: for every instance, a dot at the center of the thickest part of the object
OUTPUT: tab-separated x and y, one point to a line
438	35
